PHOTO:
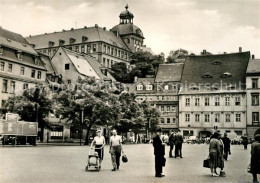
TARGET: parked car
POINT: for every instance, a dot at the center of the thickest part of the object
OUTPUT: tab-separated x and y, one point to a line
192	139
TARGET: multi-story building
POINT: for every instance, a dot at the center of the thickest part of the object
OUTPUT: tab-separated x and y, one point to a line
20	65
162	92
252	93
213	94
71	65
107	46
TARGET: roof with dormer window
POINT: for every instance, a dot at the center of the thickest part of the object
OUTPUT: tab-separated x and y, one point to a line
230	72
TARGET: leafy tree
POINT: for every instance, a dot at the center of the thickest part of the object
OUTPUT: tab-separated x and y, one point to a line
32	105
94	99
120	72
177	55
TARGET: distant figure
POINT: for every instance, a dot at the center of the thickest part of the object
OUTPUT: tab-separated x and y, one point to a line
171	143
178	144
115	150
245	141
255	158
214	152
226	142
159	152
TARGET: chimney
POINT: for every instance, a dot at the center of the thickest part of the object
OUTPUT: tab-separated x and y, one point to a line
96	25
240	49
204	52
104	28
85	27
225	52
253	56
63	30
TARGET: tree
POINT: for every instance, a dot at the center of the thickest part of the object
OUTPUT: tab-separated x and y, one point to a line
120	72
94	99
177	56
32	105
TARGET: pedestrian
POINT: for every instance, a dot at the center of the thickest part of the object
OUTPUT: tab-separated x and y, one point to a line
115	150
99	142
245	141
178	140
214	151
159	152
255	158
221	157
226	142
171	143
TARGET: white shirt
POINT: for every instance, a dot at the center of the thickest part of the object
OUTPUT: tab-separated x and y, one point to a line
115	140
99	140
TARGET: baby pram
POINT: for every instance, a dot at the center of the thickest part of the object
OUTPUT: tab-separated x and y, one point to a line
94	160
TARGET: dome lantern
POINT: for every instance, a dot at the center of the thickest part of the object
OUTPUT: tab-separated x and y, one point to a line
126	16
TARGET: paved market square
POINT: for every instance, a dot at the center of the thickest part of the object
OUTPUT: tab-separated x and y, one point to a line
61	164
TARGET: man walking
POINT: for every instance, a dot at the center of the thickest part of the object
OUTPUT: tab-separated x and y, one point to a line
226	142
115	150
178	145
171	143
245	141
159	152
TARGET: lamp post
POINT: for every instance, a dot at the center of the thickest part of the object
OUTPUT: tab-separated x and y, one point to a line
81	123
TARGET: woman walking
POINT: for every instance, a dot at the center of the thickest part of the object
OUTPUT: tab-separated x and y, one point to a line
214	152
221	157
99	142
255	158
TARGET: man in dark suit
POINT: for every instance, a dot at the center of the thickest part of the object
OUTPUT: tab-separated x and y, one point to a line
171	143
226	142
178	144
159	152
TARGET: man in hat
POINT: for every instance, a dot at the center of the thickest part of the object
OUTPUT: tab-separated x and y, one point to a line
159	152
226	141
115	150
171	143
178	144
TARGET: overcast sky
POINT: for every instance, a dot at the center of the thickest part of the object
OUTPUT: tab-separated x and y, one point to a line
214	25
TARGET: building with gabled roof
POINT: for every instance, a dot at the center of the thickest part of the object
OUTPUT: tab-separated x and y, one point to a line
213	94
252	93
20	65
107	46
72	65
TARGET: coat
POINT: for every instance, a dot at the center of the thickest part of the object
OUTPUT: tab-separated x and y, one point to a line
226	142
255	158
178	139
171	139
159	148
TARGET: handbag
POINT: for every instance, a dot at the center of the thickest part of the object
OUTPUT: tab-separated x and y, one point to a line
206	163
124	158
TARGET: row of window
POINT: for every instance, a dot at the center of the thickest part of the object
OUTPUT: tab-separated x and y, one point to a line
168	120
115	52
167	108
22	70
6	89
227	101
161	97
107	62
151	87
198	117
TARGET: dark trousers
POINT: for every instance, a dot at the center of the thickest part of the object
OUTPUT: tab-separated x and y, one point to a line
226	154
171	148
245	146
115	156
178	150
158	165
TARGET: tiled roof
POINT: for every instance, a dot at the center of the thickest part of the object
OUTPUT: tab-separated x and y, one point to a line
87	65
15	41
226	70
47	63
125	29
253	66
169	72
93	34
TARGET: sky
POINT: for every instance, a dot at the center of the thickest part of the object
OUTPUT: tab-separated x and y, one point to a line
215	25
